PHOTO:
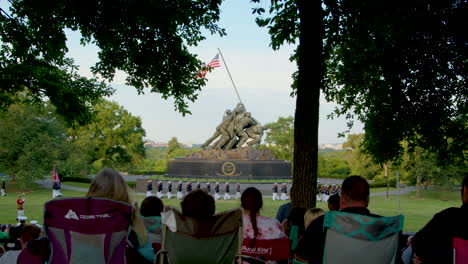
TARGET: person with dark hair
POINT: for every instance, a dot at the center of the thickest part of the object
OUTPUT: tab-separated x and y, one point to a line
354	199
295	218
208	188
151	206
334	202
433	243
199	205
256	226
28	233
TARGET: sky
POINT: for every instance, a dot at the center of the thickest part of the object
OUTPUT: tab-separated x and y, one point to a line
262	76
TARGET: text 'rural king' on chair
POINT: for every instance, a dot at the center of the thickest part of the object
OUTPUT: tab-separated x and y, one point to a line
460	251
87	230
188	240
354	238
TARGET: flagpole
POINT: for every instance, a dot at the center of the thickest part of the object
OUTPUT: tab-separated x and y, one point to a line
233	84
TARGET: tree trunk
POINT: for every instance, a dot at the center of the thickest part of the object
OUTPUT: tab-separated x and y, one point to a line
306	120
418	186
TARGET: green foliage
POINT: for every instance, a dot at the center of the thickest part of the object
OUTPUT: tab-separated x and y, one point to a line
423	164
280	138
148	40
32	139
359	162
114	138
400	69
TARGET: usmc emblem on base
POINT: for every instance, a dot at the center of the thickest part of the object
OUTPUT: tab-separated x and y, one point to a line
228	169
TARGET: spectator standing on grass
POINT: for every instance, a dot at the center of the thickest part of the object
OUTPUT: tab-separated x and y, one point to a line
354	199
433	243
149	188
3	189
108	183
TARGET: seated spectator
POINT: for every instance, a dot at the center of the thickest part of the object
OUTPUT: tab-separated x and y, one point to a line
354	199
433	243
151	209
4	236
28	233
295	218
334	202
198	204
283	212
108	183
311	215
256	226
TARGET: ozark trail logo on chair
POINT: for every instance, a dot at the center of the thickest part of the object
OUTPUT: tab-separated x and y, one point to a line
71	215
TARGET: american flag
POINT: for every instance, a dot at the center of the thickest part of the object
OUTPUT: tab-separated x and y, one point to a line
214	63
55	174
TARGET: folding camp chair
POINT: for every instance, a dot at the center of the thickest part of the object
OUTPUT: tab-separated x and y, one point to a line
87	230
187	240
460	251
354	238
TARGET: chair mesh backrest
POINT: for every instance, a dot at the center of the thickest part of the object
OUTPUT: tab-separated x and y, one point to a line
362	239
216	240
460	252
87	230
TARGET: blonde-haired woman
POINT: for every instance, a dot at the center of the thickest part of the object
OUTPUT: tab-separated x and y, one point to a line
311	215
108	183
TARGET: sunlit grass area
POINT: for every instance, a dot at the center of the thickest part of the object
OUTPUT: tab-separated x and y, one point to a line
417	212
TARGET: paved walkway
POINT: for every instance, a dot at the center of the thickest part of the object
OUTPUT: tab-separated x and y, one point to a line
264	188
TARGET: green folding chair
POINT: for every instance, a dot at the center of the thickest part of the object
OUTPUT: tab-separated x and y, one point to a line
187	240
354	238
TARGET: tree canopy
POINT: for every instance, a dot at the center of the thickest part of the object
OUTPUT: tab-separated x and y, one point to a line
400	69
148	40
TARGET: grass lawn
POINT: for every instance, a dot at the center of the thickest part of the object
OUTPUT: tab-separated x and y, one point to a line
417	211
77	184
381	189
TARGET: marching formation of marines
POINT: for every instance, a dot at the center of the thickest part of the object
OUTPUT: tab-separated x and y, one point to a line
280	192
325	191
